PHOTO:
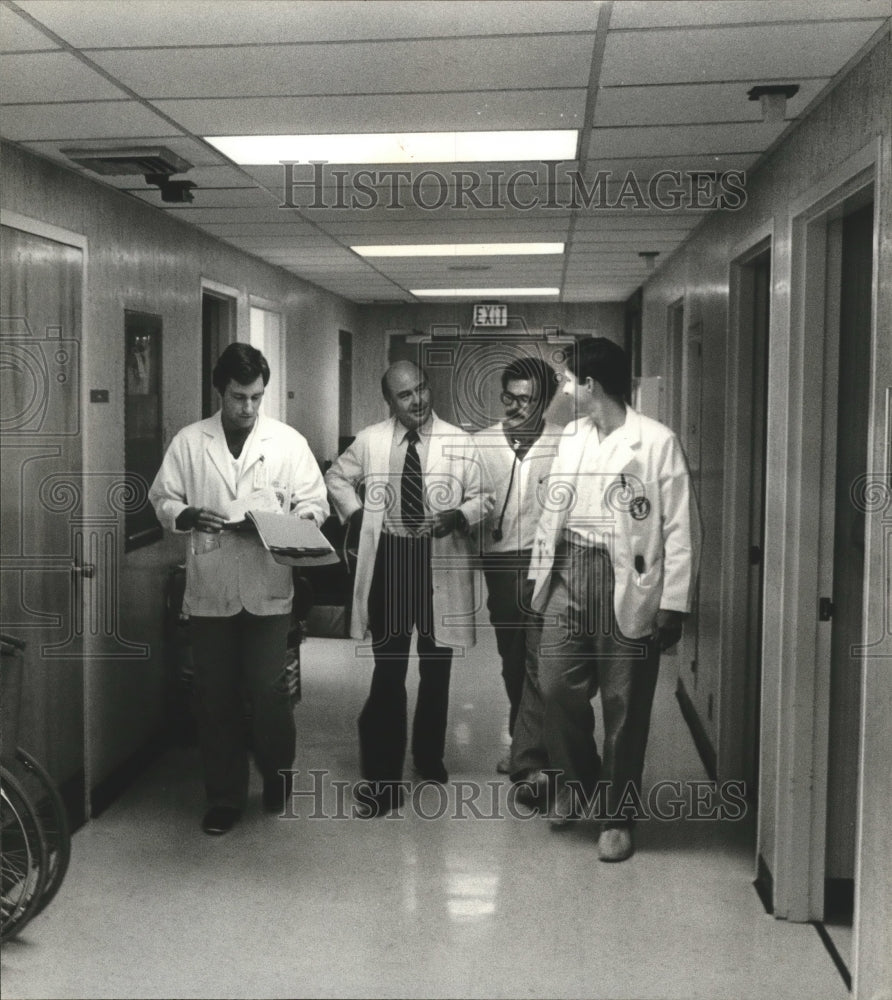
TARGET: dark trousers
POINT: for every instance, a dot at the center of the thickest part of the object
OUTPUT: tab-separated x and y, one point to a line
583	653
506	575
400	602
234	656
528	752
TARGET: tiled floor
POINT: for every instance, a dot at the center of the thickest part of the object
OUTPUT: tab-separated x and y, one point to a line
411	907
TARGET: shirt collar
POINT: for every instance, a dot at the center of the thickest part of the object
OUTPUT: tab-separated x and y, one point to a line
423	431
622	431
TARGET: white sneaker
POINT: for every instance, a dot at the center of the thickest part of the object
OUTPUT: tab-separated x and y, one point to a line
615	844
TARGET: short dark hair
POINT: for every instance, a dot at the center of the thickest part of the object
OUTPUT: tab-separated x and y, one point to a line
240	363
602	361
532	370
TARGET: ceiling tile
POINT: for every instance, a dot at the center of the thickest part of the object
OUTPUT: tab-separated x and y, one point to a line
777	51
300	236
18	35
691	103
204	22
375	67
81	123
678	13
669	140
52	76
644	167
199	216
476	111
635	220
209	198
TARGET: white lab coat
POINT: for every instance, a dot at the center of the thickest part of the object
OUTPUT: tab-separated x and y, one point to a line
197	471
654	520
452	480
522	510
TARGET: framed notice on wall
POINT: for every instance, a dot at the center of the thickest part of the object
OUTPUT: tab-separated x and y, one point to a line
143	444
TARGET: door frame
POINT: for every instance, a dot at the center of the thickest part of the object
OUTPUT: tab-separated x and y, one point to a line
279	363
794	666
224	293
46	230
736	503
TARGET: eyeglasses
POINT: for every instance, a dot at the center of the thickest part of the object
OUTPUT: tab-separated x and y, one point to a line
508	398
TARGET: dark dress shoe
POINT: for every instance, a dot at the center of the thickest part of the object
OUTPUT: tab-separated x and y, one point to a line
379	799
433	770
532	791
276	792
220	819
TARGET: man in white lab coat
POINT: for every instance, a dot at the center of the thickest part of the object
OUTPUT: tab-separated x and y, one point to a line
613	571
410	488
237	596
517	453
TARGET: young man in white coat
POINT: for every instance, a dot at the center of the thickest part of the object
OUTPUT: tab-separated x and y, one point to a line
411	487
613	571
517	454
238	598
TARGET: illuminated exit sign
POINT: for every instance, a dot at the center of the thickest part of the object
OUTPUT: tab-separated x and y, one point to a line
490	315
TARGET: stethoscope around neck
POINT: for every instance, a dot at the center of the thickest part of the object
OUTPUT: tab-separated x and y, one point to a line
497	535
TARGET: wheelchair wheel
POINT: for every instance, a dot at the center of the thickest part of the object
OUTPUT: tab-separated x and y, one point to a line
44	796
23	868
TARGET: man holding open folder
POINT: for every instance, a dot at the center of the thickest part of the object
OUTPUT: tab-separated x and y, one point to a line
237	595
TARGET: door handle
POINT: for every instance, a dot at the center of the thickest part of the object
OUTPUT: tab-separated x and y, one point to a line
86	570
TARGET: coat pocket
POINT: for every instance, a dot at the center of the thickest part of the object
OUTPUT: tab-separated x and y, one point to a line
207	578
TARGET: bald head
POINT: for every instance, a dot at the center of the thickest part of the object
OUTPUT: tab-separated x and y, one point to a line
406	389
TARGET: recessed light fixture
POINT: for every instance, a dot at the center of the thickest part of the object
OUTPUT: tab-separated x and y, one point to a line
458	249
476	293
399	147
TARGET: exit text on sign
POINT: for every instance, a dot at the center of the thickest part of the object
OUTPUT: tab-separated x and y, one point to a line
485	315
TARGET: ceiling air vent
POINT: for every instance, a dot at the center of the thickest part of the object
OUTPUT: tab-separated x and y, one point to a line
155	163
124	160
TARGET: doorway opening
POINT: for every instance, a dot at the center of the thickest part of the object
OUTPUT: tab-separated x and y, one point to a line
218	326
850	270
744	505
266	336
345	389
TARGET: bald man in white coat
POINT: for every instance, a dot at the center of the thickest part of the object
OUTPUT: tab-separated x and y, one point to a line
411	488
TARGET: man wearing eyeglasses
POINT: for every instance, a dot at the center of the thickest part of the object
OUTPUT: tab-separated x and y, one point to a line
517	452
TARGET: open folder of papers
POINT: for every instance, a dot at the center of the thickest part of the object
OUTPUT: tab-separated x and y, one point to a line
292	541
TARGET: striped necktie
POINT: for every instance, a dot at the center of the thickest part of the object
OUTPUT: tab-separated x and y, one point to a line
411	487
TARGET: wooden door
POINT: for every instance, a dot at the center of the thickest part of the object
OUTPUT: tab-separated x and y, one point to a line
43	569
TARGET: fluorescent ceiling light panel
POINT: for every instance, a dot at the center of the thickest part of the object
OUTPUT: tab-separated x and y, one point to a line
458	249
454	293
399	147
